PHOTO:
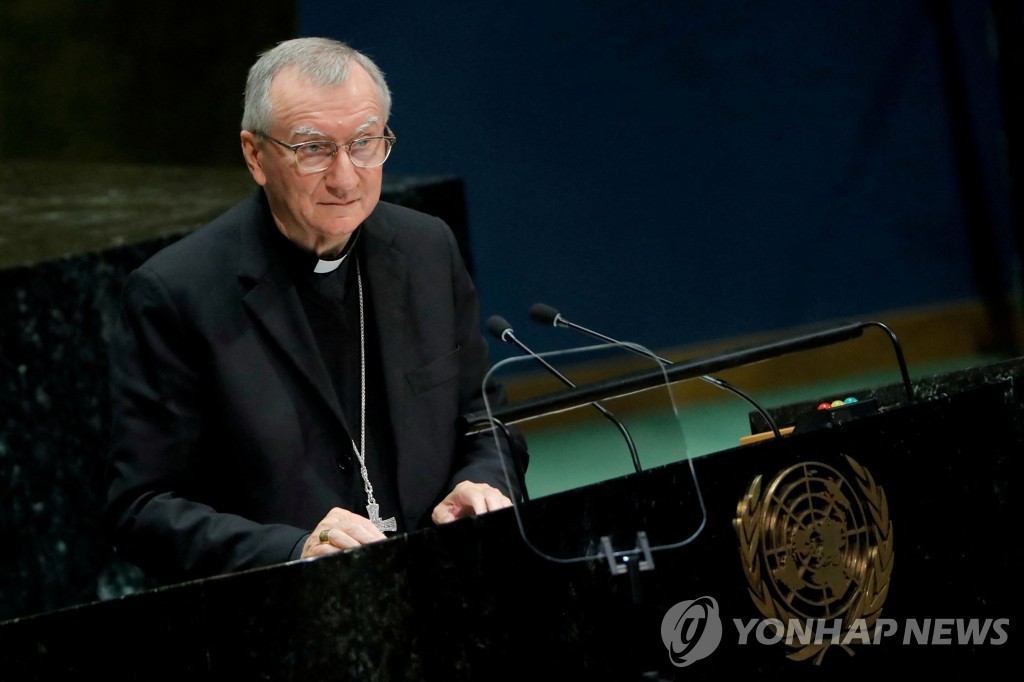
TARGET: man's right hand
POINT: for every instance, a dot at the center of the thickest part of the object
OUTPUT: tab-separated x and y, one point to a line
341	529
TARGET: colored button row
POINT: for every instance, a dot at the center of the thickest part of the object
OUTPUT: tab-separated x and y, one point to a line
837	403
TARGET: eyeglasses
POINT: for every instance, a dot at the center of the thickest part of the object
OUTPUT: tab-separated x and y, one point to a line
317	156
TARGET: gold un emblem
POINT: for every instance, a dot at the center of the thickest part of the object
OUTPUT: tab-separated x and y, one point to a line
817	547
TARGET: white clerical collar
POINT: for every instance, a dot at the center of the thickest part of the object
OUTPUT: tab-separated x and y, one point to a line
324	266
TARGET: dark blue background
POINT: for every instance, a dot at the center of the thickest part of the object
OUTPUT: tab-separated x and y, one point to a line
675	172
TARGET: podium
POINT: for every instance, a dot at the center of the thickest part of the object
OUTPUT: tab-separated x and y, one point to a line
471	600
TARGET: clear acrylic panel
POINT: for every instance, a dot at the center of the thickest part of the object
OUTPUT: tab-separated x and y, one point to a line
593	419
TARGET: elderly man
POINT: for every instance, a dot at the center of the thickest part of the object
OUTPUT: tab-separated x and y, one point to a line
286	381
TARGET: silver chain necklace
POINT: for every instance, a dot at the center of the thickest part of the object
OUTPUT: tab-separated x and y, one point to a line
372	508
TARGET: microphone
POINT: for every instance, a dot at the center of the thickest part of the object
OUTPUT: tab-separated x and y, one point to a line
500	329
544	314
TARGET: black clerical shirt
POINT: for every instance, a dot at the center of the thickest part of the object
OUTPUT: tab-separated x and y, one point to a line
331	303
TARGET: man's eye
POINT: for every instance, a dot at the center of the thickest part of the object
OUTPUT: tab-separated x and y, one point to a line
361	143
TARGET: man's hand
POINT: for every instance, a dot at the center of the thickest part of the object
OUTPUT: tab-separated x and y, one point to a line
342	530
469	499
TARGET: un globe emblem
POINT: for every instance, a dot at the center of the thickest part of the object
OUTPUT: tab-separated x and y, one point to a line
817	544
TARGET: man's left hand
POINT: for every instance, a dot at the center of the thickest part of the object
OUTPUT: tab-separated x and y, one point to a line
469	499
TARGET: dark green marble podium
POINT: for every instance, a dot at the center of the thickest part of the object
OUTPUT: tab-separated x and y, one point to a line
473	600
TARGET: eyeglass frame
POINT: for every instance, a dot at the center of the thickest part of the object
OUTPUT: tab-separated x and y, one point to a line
294	148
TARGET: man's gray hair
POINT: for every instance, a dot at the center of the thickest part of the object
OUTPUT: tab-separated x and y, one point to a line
325	62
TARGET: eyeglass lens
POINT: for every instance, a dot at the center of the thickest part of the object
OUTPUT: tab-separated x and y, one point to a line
365	152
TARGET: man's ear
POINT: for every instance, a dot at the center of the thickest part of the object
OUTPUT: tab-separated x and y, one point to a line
253	154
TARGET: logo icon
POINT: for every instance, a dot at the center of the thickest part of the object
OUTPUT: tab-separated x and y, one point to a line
817	547
691	630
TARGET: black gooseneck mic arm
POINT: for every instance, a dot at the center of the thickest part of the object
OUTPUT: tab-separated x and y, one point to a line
500	329
546	315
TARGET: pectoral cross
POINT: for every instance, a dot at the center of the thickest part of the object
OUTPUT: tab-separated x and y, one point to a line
382	524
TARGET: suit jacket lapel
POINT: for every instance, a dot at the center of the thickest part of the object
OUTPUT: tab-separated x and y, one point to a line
275	305
386	271
388	277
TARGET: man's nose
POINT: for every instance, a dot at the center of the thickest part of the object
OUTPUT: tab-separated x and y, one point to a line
342	174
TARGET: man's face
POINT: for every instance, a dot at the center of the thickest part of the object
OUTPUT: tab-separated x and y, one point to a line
318	211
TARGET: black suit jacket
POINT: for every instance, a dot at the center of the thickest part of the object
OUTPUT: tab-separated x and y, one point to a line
226	426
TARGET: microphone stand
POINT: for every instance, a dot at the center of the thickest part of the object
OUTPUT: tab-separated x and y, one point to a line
502	330
545	314
689	370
